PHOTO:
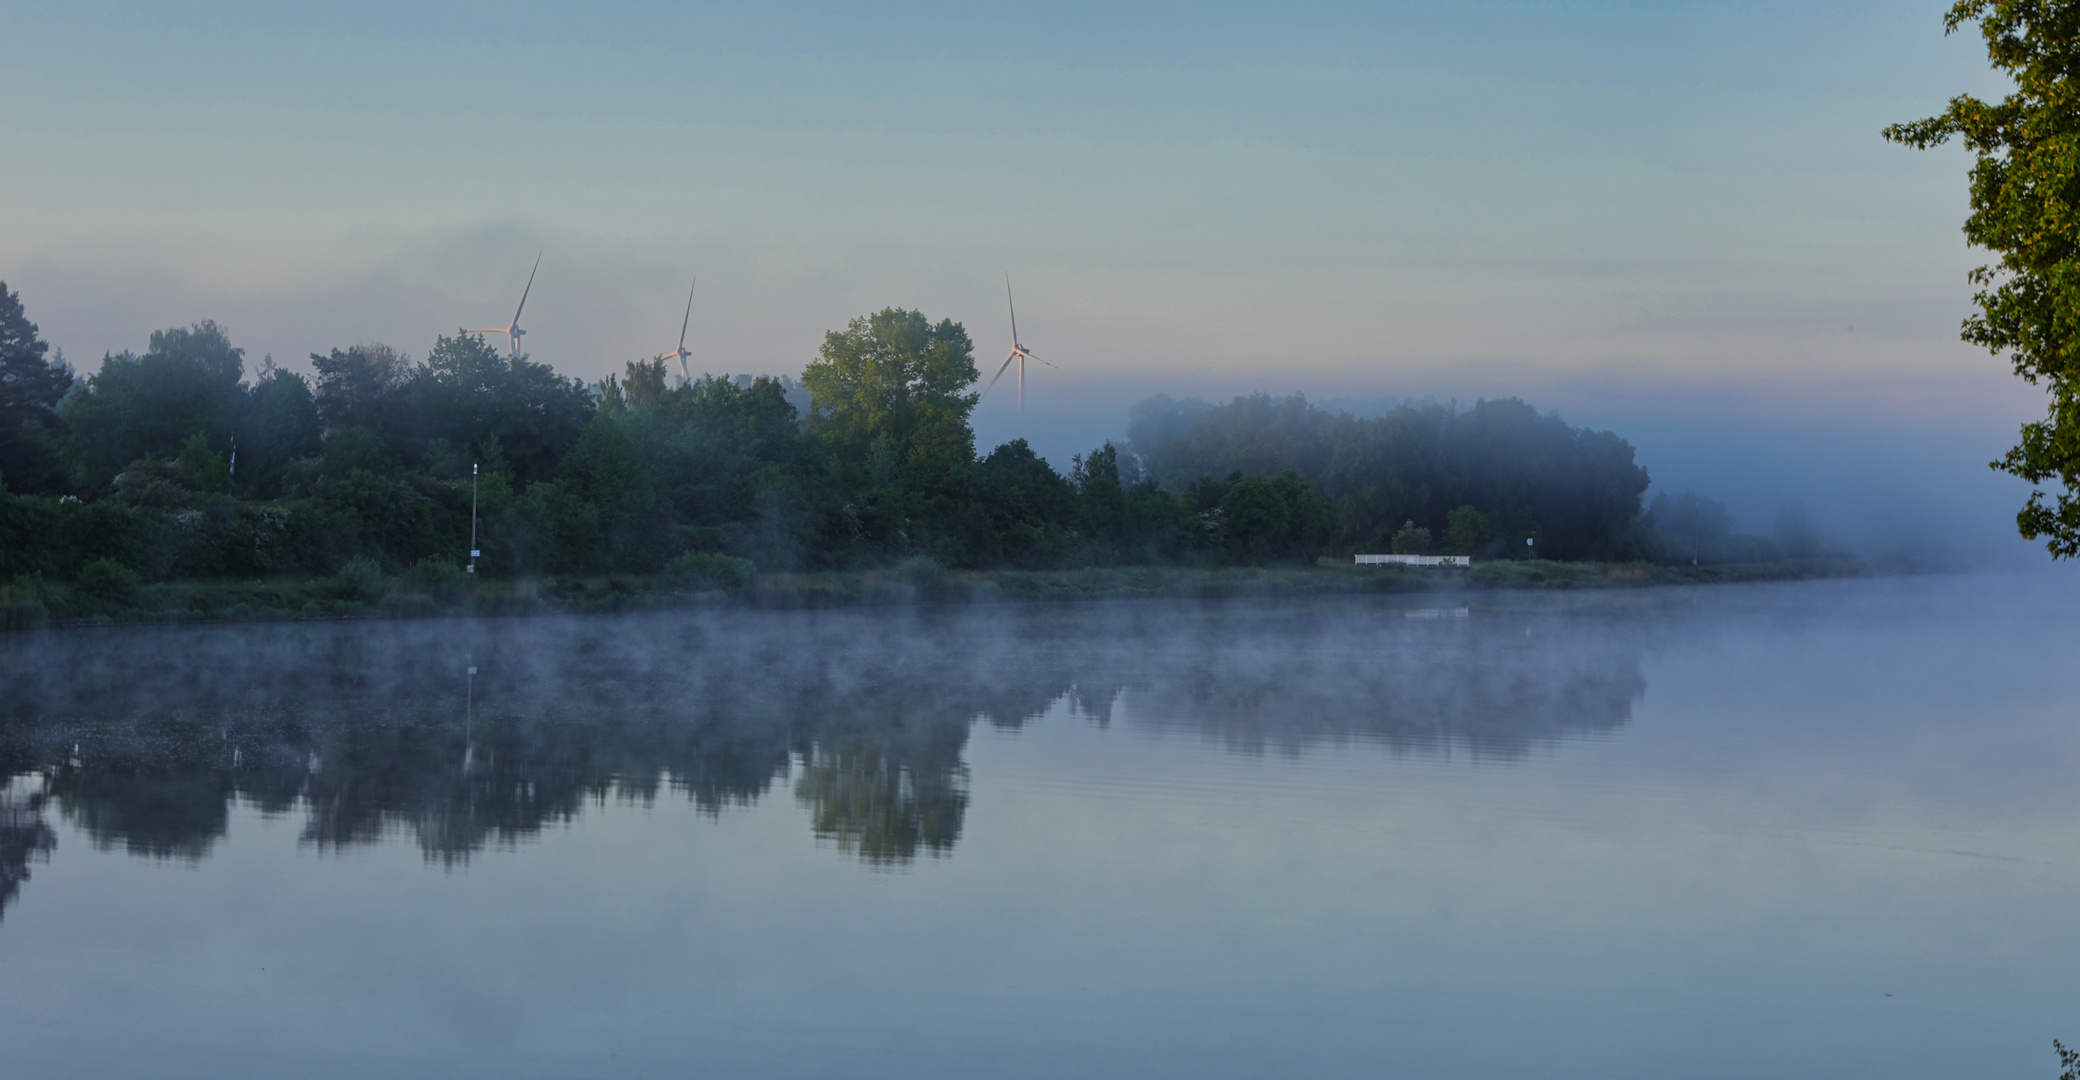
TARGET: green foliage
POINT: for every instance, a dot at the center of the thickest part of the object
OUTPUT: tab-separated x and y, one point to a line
362	579
923	571
1309	520
22	605
1578	490
363	387
349	449
1466	529
606	472
704	571
561	531
280	427
204	469
148	406
1255	517
109	582
369	466
1252	518
469	394
895	374
512	414
2025	208
2069	1059
890	412
438	578
1411	539
31	384
1685	528
1023	505
1101	501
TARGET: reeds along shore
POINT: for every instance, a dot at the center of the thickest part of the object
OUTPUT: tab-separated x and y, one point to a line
32	603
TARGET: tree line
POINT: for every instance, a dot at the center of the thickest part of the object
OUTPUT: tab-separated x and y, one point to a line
177	463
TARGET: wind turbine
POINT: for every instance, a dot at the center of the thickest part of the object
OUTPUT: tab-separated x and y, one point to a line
681	352
512	331
1018	352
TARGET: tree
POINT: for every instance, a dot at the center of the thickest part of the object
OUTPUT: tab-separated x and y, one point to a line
280	426
1411	539
605	471
1579	489
1466	530
1104	501
1256	517
30	388
2025	199
1686	527
469	394
361	387
203	468
894	374
187	382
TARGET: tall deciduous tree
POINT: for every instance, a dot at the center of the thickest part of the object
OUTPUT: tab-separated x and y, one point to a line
2025	191
31	384
895	375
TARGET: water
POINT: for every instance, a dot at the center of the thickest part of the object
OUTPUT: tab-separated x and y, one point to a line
1813	830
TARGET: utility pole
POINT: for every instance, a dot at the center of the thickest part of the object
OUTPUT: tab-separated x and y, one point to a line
473	552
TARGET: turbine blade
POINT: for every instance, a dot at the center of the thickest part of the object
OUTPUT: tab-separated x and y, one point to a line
525	291
1043	361
1000	372
1012	306
683	323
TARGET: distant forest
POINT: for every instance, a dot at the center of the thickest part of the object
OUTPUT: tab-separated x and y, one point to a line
180	463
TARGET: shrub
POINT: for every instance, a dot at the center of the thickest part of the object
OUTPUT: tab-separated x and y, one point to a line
704	571
362	579
922	571
21	603
438	578
109	581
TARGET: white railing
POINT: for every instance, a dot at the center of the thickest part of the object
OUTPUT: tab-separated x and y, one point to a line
1416	560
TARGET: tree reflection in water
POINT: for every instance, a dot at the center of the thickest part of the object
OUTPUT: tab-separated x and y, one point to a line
143	738
25	837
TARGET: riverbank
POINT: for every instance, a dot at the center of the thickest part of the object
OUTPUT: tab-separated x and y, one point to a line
31	603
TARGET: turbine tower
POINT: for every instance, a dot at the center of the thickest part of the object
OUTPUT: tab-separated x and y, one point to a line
1018	352
680	353
512	330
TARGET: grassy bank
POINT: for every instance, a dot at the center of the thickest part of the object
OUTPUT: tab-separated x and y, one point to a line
28	603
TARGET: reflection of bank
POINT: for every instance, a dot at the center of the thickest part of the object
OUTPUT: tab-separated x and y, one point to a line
1434	681
145	740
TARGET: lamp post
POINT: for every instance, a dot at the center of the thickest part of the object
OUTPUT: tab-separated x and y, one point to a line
473	552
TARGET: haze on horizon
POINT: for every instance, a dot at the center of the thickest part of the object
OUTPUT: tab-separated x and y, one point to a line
1676	221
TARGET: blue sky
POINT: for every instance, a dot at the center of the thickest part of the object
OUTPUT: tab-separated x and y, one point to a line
1663	218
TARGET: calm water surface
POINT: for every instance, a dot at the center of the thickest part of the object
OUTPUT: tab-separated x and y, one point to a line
1814	830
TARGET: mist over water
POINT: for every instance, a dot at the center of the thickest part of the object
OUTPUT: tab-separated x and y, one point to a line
1660	832
375	730
1905	475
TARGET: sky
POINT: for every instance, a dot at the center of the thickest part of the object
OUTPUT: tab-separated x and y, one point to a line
1674	220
